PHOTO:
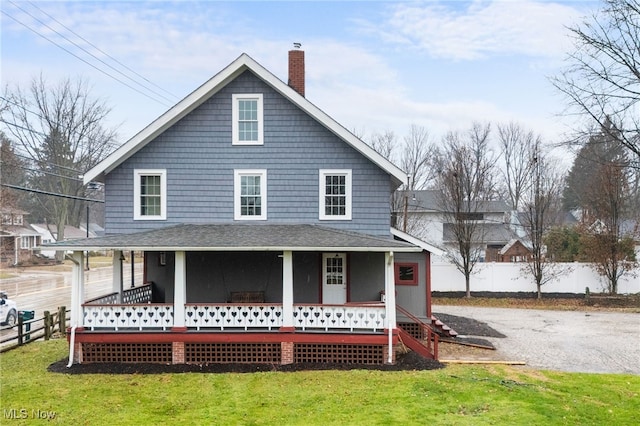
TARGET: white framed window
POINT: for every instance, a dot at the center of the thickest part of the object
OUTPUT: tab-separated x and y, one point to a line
335	194
247	119
25	242
149	194
250	195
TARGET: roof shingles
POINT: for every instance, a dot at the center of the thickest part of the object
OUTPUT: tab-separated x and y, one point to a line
228	237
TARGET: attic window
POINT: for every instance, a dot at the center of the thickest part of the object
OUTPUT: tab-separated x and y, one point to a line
247	119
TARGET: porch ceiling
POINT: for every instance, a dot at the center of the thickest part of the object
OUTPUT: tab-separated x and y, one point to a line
240	237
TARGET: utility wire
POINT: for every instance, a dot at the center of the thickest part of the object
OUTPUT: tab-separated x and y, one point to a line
37	115
83	60
49	173
47	163
103	52
22	127
89	53
53	194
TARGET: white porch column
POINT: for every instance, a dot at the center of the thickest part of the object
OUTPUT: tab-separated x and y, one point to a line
390	291
117	274
287	290
180	289
77	289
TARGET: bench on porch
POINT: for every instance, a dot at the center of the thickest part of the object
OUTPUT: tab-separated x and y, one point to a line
247	297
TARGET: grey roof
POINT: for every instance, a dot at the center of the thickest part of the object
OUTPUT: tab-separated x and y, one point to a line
431	199
239	237
489	233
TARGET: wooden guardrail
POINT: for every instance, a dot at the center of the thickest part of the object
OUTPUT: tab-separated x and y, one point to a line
29	330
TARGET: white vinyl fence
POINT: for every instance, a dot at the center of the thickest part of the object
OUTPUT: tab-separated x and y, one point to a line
510	277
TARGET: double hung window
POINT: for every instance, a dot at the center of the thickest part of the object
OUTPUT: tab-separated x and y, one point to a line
335	194
247	119
150	194
250	195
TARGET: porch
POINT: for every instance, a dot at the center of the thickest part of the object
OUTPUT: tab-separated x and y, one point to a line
312	297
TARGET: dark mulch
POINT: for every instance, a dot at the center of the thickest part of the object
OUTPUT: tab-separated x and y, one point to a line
468	326
408	361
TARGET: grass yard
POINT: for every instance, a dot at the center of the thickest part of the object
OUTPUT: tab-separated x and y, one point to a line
456	395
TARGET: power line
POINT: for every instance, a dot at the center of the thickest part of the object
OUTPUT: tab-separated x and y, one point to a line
53	194
49	173
103	52
22	128
87	52
37	115
47	163
83	60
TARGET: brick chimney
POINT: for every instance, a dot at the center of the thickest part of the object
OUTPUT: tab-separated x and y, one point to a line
296	68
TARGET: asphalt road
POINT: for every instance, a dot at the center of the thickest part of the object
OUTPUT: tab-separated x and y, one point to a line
574	341
41	291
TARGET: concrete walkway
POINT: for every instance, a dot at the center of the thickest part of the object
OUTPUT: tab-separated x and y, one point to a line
574	341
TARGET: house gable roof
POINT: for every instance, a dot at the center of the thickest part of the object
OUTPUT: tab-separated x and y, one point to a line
243	63
418	242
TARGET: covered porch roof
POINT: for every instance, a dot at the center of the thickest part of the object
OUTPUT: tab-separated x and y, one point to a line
240	237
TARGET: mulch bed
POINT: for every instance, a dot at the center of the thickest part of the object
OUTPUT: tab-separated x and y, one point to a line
468	326
407	361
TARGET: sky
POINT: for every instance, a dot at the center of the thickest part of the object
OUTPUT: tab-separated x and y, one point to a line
374	66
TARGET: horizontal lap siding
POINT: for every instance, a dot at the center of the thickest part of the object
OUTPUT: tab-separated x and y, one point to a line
200	161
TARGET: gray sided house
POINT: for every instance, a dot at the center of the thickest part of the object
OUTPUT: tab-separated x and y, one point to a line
265	231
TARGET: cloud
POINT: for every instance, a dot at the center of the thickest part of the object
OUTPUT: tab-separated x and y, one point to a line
478	29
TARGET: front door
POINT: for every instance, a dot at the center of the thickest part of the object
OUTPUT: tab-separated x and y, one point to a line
334	278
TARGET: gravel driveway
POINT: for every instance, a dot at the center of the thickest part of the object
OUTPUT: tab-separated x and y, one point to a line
588	342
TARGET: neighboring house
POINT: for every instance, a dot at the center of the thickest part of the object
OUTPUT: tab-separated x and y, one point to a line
514	251
428	220
48	234
265	231
17	241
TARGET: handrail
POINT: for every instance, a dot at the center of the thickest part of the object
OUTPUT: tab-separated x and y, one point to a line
431	336
414	318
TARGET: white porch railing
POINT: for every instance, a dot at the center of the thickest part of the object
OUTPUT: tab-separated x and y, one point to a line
117	317
258	316
247	317
340	317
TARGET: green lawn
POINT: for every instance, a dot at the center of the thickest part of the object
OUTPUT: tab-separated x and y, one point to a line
456	395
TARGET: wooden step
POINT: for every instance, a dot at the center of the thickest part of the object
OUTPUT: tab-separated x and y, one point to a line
441	328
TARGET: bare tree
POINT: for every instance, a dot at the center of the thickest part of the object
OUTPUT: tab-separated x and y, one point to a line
12	172
385	144
415	156
603	240
517	145
467	181
602	79
542	209
61	129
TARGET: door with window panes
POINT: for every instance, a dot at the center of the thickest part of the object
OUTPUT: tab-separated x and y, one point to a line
334	278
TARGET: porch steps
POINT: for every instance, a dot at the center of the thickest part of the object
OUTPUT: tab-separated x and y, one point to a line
441	328
416	345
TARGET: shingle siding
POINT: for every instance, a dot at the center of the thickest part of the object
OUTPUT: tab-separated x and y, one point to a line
200	161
